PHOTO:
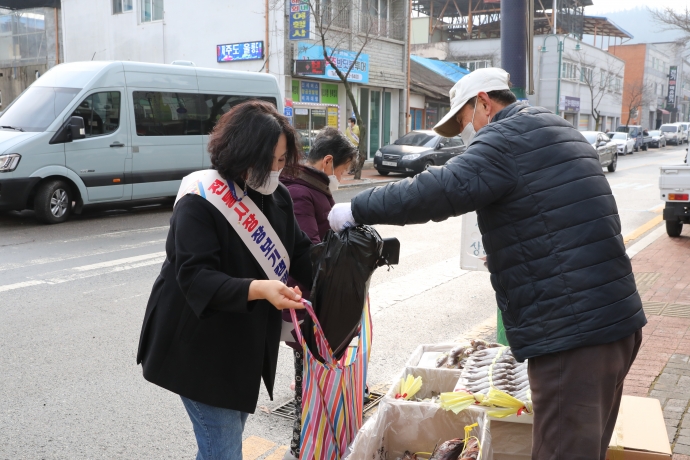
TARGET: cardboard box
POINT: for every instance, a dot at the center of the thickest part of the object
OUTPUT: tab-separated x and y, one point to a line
640	432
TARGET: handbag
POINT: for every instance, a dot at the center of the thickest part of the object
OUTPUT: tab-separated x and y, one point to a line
332	391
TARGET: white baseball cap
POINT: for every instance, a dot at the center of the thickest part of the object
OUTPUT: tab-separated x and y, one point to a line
481	80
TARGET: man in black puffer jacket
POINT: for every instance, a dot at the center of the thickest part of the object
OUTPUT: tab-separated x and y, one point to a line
552	235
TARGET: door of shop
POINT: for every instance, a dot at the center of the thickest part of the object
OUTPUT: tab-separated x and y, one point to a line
310	120
375	106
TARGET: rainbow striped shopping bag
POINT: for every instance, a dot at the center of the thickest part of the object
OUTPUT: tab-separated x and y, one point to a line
332	391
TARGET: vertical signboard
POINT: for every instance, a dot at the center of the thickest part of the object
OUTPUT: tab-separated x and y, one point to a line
672	76
332	119
299	20
472	249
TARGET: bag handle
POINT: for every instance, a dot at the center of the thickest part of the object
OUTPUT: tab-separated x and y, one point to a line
321	342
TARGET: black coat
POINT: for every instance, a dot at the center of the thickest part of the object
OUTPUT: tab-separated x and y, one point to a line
201	338
549	225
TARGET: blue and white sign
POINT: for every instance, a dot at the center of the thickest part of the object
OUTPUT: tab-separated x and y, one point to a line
299	19
342	60
247	51
287	111
310	92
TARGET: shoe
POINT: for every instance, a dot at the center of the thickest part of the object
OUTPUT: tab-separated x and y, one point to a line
367	395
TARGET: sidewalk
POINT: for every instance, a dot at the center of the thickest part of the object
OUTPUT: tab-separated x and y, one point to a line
369	177
662	368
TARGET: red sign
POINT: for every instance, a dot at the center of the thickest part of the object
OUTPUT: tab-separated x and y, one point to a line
310	67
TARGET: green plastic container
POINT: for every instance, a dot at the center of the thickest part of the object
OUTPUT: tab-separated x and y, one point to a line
500	329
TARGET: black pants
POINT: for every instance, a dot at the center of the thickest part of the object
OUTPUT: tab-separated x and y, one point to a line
576	396
297	426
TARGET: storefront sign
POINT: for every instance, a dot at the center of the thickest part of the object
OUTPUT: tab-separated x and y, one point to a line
299	20
329	93
672	76
310	67
301	111
310	92
569	104
287	111
295	90
342	60
247	51
332	117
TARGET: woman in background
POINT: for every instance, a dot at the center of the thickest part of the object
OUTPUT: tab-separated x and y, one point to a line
311	190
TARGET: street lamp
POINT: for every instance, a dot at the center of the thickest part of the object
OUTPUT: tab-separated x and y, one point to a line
561	45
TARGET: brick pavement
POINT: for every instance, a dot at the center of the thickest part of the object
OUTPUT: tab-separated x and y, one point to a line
662	368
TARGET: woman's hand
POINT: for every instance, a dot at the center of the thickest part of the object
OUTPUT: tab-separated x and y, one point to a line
280	296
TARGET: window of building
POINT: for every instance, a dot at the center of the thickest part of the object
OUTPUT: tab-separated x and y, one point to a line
101	113
474	65
151	10
569	71
383	17
417	119
603	79
122	6
182	114
586	74
618	84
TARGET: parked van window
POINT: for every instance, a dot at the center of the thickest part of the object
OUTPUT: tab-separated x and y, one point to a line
182	114
101	113
37	108
669	129
167	114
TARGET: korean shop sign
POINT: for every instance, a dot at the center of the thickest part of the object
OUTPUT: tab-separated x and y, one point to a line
299	20
672	76
246	51
310	91
329	93
342	60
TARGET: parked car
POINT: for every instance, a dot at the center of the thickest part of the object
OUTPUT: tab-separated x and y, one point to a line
658	139
606	149
417	151
104	132
640	135
624	142
684	134
673	133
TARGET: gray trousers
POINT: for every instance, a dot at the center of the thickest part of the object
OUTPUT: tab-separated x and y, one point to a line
576	396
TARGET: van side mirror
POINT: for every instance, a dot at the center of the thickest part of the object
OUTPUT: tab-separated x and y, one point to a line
72	130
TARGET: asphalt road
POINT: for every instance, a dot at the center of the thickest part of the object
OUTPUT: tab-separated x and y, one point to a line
72	298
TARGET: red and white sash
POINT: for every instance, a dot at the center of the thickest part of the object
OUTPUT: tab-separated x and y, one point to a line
247	220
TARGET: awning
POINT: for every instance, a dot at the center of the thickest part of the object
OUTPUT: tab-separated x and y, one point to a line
663	112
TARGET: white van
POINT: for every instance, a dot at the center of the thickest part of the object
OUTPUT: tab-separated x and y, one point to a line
673	132
98	132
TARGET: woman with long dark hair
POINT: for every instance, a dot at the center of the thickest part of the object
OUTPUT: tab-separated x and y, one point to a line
213	324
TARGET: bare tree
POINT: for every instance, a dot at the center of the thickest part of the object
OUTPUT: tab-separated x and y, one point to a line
350	26
671	19
599	78
639	96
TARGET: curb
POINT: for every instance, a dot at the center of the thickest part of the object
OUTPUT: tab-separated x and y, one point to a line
646	241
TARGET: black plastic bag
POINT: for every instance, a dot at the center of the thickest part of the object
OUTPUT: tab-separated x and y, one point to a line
342	264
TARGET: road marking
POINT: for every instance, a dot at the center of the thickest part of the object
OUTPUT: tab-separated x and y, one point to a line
387	294
49	260
112	234
278	454
642	229
657	208
126	260
254	447
23	284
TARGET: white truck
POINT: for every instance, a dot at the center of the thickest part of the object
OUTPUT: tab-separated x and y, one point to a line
674	185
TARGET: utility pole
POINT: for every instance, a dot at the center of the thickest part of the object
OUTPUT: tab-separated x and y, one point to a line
514	43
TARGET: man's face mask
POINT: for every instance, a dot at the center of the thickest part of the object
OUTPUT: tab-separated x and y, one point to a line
468	131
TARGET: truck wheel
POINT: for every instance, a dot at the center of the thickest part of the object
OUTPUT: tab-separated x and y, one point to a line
614	163
674	227
53	202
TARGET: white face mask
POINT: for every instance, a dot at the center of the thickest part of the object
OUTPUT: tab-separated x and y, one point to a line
469	132
270	186
333	182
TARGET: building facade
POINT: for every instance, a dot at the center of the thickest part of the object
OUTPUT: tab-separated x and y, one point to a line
266	36
645	100
30	44
588	83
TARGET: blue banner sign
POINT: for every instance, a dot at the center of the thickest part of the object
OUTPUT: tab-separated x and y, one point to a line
342	60
240	51
299	20
310	92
